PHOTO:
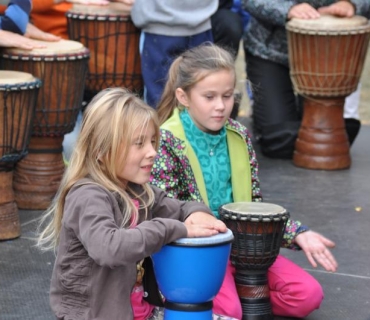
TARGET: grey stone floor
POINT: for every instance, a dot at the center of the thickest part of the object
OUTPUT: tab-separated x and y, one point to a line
335	203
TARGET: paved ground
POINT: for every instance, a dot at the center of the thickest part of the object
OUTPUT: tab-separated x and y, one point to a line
336	204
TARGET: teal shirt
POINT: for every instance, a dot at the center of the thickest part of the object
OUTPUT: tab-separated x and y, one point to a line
213	156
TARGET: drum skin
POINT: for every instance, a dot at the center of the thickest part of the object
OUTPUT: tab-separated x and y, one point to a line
326	58
113	41
18	91
258	230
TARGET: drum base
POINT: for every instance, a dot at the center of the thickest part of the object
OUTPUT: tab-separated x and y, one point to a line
180	311
9	219
322	141
38	175
254	294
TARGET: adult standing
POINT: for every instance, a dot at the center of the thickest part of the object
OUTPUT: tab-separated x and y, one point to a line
277	111
168	29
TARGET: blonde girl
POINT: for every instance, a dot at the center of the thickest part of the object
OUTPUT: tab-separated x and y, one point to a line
106	219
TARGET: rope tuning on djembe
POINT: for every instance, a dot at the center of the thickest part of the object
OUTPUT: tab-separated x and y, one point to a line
62	68
18	91
258	230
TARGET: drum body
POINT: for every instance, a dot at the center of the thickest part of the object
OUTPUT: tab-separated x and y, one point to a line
326	57
258	230
18	92
113	41
62	67
190	272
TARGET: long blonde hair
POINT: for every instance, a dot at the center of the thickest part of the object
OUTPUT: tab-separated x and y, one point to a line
109	123
188	69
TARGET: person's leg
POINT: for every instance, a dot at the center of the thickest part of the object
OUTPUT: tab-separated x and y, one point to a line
293	291
351	115
158	52
227	29
276	118
226	302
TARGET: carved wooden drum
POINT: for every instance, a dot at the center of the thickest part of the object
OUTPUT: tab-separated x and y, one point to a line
62	68
18	95
326	57
113	41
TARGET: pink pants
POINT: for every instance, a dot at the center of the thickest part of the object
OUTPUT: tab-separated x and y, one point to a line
293	291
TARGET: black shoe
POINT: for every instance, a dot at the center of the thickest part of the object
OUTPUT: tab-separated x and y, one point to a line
352	127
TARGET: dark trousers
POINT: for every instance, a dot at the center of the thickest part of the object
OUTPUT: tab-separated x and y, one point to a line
277	112
227	29
158	52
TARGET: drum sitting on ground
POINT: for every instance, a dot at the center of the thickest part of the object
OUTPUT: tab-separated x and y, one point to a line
62	67
113	41
258	230
18	91
326	58
190	272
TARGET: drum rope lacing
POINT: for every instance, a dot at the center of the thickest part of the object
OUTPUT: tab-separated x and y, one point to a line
255	218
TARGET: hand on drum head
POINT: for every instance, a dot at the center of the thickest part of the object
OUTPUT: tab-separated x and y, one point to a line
206	220
316	247
303	11
14	40
35	33
340	9
90	2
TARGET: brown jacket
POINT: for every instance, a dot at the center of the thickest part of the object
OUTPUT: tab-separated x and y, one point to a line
95	267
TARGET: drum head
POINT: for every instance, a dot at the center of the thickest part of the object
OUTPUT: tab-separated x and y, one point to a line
328	23
217	239
51	48
112	9
253	211
15	77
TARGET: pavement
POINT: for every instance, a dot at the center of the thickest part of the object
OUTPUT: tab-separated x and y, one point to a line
334	203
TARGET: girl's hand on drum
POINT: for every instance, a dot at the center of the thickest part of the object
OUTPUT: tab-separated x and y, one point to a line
35	33
303	11
203	218
14	40
316	247
200	230
340	9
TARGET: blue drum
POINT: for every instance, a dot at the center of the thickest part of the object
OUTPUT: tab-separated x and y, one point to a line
190	272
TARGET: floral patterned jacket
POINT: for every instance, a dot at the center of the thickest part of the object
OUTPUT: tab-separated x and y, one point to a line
266	37
177	171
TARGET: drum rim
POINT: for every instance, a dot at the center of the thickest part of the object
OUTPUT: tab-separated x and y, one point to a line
204	241
47	57
35	83
355	31
96	17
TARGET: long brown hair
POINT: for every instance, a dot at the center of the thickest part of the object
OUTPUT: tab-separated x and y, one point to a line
109	123
188	69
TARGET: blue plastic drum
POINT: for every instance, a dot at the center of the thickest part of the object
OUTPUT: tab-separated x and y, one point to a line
191	270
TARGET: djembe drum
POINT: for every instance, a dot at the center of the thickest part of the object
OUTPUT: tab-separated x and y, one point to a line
258	230
326	58
18	92
113	41
190	272
62	67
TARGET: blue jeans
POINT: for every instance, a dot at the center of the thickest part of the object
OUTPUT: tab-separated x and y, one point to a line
157	54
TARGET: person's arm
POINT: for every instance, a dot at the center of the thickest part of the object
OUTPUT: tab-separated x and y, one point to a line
317	249
270	12
14	40
16	16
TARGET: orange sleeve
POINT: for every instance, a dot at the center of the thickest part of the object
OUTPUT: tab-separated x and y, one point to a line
42	5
